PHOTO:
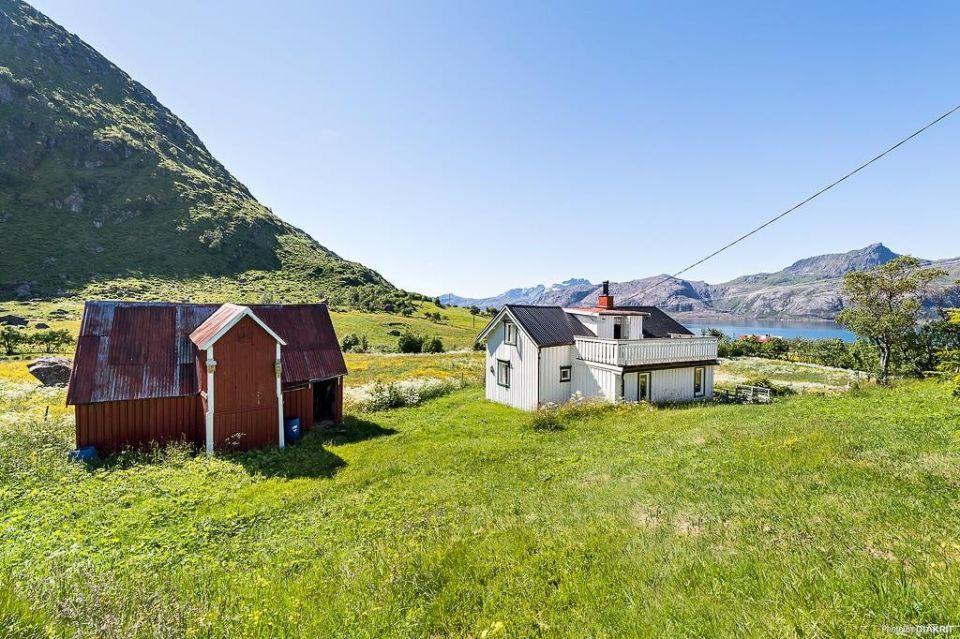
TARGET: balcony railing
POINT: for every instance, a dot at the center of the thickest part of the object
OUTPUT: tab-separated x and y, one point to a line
634	352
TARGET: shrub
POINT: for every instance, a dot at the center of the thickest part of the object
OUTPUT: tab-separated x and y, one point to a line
763	382
413	392
433	345
51	341
10	339
410	343
354	343
478	346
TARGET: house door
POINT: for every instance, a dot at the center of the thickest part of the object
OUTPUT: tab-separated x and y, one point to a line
643	387
630	387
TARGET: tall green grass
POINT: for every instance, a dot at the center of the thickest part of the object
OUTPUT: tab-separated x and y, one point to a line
816	516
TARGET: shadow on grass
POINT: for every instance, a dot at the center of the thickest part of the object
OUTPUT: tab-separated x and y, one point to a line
353	429
306	459
309	458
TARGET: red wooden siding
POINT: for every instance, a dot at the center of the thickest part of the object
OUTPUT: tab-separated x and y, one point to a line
245	412
298	402
112	426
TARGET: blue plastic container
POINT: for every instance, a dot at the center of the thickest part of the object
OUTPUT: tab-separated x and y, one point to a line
84	454
291	430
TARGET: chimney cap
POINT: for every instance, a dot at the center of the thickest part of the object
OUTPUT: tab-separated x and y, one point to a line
606	287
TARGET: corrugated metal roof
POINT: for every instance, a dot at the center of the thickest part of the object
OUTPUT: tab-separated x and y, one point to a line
220	318
659	324
141	350
548	325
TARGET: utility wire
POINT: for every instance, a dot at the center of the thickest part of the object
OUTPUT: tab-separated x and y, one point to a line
797	206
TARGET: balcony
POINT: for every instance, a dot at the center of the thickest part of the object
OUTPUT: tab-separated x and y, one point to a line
640	352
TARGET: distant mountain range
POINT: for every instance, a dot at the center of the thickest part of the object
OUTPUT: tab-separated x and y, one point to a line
807	289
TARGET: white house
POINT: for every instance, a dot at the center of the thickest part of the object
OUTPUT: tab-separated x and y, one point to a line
545	354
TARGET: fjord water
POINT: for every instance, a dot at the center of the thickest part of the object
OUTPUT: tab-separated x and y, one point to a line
735	327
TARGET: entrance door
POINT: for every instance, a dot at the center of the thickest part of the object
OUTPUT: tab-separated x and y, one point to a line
324	401
630	387
643	387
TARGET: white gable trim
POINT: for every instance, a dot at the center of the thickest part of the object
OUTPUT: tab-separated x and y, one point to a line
246	312
497	319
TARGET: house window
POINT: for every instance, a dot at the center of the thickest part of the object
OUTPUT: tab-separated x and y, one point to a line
564	373
509	333
643	387
698	374
503	373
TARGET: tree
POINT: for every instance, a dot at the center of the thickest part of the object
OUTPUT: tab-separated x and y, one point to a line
410	343
10	338
51	341
885	305
433	345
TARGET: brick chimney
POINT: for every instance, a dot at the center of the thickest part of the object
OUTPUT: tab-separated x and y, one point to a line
606	299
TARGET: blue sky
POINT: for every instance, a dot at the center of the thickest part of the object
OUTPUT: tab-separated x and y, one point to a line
476	148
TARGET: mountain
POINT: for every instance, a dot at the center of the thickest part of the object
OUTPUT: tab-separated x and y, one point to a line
538	294
98	180
807	289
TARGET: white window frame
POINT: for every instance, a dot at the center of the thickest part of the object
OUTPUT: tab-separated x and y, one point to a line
503	366
703	381
569	371
510	333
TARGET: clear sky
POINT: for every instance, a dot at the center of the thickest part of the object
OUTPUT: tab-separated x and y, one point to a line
474	149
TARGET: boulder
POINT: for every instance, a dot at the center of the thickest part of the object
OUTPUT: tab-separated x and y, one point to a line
13	320
51	371
41	325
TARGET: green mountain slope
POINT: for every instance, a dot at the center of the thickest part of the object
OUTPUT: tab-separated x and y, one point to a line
100	181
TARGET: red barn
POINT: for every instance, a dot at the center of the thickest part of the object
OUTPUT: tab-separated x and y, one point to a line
224	377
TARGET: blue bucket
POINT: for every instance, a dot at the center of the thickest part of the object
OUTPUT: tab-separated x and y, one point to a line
291	430
84	454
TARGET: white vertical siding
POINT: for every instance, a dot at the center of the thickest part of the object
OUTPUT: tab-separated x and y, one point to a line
593	381
676	385
524	369
552	390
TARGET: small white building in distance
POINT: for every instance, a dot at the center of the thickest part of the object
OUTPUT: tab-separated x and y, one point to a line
539	355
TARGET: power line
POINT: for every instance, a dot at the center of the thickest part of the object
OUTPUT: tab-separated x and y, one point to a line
797	206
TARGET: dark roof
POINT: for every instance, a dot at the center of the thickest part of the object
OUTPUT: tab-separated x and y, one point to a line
548	325
659	324
142	350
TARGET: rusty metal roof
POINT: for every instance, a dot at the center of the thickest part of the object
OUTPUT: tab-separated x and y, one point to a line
222	320
142	350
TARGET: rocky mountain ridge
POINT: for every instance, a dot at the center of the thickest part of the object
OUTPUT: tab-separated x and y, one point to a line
807	289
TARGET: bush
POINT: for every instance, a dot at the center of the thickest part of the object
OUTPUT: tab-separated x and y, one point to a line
354	343
478	346
411	392
410	343
51	341
10	339
433	345
763	382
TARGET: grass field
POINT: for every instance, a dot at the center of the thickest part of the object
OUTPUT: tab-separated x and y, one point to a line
364	369
798	376
833	515
457	328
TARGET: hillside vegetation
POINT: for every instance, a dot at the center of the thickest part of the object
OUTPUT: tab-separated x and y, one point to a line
99	181
814	516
